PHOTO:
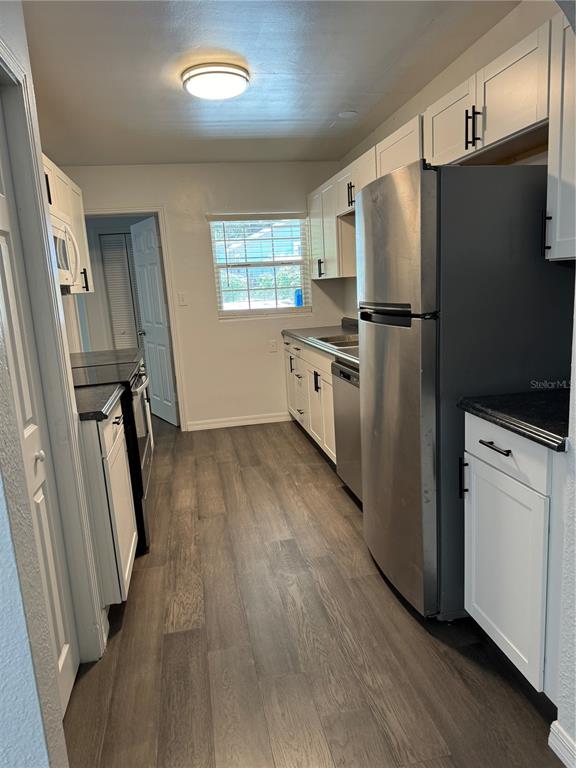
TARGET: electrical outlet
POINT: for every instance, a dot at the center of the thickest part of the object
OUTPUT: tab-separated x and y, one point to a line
272	346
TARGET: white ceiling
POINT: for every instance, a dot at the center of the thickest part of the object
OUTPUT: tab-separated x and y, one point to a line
107	74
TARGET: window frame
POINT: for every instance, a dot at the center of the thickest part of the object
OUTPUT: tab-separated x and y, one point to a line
304	263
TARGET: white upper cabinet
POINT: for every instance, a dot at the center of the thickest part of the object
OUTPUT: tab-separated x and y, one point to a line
328	265
363	171
67	207
316	231
401	148
560	234
450	125
502	99
84	282
353	178
512	91
344	190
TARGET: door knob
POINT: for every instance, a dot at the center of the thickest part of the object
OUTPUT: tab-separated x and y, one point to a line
40	455
141	333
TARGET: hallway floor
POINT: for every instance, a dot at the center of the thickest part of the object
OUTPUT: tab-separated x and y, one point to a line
259	634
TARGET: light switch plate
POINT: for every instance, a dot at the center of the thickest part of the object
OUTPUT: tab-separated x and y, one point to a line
182	299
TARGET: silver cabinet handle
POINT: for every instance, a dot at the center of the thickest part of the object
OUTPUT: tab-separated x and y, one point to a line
40	455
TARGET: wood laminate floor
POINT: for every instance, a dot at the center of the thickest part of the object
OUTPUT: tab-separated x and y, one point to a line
259	634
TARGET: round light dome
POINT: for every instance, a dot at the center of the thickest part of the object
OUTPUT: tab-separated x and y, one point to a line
215	81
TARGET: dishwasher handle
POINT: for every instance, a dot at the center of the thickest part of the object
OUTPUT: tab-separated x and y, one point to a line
346	374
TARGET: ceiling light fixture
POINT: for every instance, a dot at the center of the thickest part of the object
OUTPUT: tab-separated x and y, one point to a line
215	81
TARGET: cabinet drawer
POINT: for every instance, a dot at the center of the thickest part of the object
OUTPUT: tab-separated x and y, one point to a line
527	461
317	360
110	429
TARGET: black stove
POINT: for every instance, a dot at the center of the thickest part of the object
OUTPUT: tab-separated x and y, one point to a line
105	357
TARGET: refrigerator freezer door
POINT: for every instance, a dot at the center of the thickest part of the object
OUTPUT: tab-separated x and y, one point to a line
398	415
396	240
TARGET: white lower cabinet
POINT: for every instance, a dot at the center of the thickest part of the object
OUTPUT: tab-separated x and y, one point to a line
329	435
506	553
309	392
315	392
289	367
111	504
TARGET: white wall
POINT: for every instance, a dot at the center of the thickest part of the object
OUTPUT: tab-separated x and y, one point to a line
525	18
228	373
22	742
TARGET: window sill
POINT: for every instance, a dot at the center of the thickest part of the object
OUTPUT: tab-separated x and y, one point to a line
263	315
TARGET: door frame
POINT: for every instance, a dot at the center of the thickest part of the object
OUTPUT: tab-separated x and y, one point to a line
23	141
160	212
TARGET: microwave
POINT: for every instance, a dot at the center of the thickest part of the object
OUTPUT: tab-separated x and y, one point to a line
67	251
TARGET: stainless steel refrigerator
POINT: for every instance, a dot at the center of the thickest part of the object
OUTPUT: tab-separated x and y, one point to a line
455	298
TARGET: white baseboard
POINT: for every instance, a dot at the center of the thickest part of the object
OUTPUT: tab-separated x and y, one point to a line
238	421
562	744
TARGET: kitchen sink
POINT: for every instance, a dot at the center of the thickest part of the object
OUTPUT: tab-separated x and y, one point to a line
346	340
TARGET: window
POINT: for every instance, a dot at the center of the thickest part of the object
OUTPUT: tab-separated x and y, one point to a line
261	266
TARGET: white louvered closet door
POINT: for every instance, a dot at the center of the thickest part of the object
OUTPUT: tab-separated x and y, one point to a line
115	254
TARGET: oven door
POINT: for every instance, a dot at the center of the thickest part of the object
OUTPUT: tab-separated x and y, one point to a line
143	422
67	252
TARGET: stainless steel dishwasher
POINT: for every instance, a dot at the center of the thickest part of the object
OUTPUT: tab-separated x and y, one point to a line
346	386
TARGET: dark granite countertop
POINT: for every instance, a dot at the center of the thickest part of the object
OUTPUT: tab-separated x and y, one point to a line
93	375
311	336
105	357
539	415
96	403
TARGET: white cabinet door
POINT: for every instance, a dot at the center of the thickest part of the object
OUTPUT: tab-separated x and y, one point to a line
353	178
512	91
448	135
560	235
329	441
301	396
290	387
121	504
314	386
401	148
506	546
363	171
344	200
329	267
316	232
84	282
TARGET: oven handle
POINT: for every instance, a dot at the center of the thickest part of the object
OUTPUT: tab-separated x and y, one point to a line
142	387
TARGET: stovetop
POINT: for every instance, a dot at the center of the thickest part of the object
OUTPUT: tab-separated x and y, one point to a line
119	373
105	357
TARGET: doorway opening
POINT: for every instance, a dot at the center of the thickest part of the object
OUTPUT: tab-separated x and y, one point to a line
129	306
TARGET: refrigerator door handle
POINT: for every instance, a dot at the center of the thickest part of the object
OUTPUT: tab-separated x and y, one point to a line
369	316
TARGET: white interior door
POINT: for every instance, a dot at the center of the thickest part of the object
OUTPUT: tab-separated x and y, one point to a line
16	320
154	319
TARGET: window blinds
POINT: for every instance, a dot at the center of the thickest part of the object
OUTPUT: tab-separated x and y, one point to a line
261	265
115	254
